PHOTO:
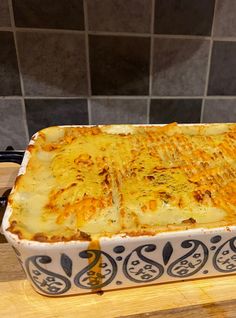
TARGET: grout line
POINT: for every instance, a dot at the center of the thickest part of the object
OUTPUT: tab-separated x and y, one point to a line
208	64
167	36
6	29
25	120
109	97
226	39
176	97
48	30
148	110
151	49
182	36
220	97
19	67
56	97
210	53
151	59
120	97
79	97
16	47
87	48
89	112
108	33
11	97
202	110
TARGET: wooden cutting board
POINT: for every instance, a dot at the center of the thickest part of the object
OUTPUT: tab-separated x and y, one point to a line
212	297
8	173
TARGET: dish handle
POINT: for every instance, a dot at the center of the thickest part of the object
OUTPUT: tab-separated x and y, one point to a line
11	156
8	156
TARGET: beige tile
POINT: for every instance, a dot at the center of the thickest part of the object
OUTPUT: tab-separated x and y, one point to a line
9	74
4	14
119	65
164	111
12	129
50	14
222	78
219	111
43	113
119	15
225	22
118	111
184	17
53	64
179	67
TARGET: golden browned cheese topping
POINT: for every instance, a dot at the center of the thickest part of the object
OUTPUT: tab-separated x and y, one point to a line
84	183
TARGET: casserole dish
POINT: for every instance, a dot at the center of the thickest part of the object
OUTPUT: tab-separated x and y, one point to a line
105	207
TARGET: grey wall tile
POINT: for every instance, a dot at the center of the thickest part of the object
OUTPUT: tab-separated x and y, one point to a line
119	15
119	65
163	111
53	64
222	78
12	129
4	14
219	111
179	67
41	113
184	17
53	14
118	111
225	22
9	74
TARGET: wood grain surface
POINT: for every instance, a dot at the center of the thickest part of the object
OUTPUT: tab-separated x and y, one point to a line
8	173
214	310
204	298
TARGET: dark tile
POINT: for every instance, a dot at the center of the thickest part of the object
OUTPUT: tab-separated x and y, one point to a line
120	15
119	65
179	67
219	111
41	113
12	129
184	17
53	64
4	14
225	22
9	74
222	78
164	111
118	111
51	14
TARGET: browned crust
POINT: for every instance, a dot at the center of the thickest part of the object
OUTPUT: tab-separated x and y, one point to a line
189	221
43	238
208	181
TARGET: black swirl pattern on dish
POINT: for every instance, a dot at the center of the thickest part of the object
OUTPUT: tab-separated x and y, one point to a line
66	264
99	273
190	263
46	281
224	259
140	269
167	252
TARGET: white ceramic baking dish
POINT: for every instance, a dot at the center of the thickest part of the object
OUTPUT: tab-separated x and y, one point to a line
65	268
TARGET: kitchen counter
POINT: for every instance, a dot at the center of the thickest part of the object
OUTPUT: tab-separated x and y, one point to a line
209	297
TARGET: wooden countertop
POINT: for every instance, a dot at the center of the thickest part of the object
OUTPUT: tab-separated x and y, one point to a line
212	297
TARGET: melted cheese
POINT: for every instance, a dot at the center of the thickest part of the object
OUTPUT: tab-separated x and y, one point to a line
87	182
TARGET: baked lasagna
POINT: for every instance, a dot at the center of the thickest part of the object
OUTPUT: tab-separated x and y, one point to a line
83	183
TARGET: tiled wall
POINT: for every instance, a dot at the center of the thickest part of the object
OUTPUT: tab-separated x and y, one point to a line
114	61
